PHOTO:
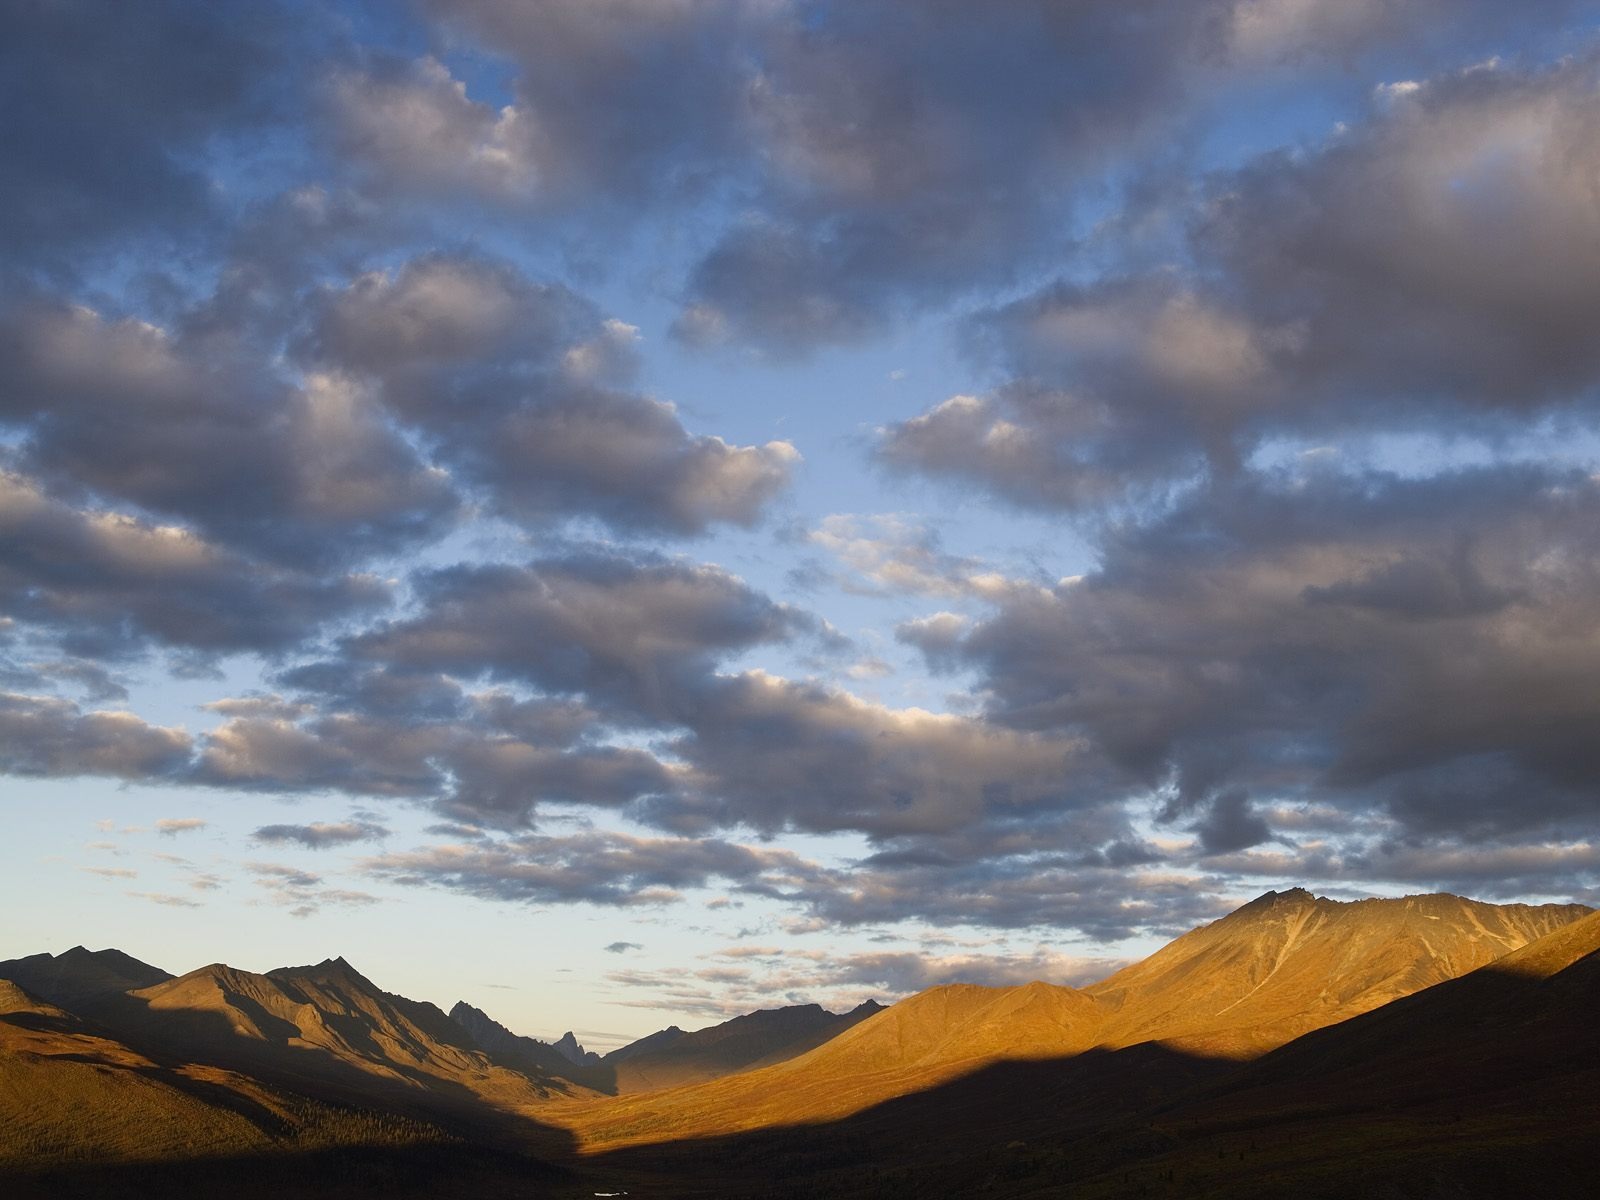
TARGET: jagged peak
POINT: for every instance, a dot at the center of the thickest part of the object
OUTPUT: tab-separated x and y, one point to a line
329	969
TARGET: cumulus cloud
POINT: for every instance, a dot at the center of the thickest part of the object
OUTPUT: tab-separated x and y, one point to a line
774	753
882	161
1429	264
192	424
517	386
489	758
108	149
1418	644
111	583
638	634
46	736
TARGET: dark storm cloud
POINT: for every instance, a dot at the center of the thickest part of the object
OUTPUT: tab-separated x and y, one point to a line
1436	262
46	736
520	388
1422	645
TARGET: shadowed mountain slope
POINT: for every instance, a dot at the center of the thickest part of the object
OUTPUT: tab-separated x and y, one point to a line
71	1093
1275	968
78	974
329	1026
541	1059
1481	1086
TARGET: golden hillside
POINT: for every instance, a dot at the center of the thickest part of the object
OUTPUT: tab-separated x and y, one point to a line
1278	967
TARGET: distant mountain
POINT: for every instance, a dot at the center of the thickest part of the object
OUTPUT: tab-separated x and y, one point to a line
567	1046
650	1043
526	1053
1276	968
80	974
672	1058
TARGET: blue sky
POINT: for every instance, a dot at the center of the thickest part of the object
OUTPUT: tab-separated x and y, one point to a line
631	511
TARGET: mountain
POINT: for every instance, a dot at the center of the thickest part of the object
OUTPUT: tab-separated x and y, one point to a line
1289	962
1421	1047
1275	968
71	1094
1482	1085
526	1053
672	1058
327	1026
79	974
650	1043
567	1046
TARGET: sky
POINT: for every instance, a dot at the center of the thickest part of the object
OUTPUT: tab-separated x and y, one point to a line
628	512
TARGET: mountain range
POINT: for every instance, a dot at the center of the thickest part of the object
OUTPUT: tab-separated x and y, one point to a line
1395	1026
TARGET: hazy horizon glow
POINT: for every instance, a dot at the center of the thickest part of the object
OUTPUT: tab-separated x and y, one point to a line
626	512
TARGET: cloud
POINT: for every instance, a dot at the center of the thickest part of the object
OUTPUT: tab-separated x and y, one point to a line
878	160
635	634
320	835
1412	645
1412	273
613	870
775	754
47	737
302	892
112	583
622	947
899	555
167	900
113	149
536	412
764	977
172	826
195	422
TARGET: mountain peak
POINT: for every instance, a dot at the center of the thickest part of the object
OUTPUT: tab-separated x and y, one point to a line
329	970
568	1047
